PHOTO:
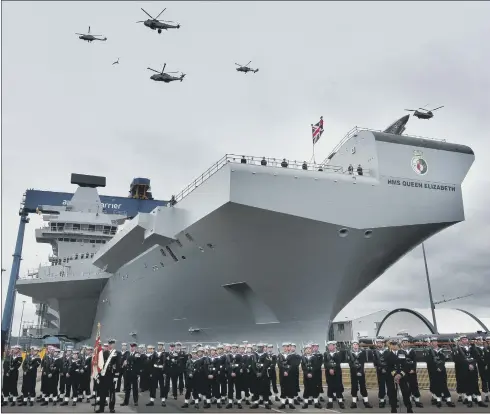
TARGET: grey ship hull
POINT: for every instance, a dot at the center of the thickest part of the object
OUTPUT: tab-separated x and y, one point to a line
270	253
298	276
290	248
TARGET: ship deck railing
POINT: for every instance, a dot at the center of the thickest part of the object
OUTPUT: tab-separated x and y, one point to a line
357	129
253	160
62	274
79	231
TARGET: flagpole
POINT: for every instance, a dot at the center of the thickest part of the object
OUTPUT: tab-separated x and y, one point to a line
313	141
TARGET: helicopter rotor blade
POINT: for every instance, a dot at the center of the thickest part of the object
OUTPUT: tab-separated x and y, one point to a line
164	67
89	30
248	63
173	72
238	64
156	71
148	14
410	110
438	108
156	18
141	21
423	109
79	34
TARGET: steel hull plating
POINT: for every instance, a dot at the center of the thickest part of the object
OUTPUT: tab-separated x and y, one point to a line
299	274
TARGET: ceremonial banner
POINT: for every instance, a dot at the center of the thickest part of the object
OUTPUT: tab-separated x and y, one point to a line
98	357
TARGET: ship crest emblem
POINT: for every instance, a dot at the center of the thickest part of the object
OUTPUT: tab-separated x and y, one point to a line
419	165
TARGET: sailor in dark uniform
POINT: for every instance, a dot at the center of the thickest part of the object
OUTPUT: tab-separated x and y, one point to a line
397	376
132	366
288	390
65	383
190	370
260	370
296	363
214	363
108	377
411	365
235	371
124	356
466	355
333	372
458	369
356	358
182	363
172	367
272	371
159	373
152	368
249	381
45	386
482	365
73	378
86	374
144	375
30	366
381	369
11	365
50	371
318	375
436	368
222	373
201	378
309	362
487	366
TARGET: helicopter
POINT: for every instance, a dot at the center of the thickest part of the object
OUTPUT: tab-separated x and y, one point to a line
423	115
165	77
90	37
155	24
245	68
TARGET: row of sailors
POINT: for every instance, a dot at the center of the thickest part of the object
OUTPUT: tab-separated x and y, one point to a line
230	372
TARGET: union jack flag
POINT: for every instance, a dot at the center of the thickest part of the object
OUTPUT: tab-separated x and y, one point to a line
98	356
317	130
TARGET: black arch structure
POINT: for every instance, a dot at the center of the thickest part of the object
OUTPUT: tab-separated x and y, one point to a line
415	313
426	321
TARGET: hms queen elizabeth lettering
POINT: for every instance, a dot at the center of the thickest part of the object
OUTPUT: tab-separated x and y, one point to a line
418	184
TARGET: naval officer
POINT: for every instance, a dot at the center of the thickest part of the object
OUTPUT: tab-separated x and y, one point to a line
356	359
133	368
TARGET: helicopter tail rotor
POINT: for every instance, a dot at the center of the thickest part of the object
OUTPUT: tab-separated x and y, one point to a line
256	70
182	77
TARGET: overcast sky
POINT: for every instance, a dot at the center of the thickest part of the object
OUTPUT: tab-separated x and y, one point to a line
66	109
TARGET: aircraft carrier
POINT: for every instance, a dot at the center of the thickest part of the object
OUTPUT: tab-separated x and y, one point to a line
250	252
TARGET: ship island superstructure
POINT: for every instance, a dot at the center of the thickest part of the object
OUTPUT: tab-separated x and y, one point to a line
69	284
264	252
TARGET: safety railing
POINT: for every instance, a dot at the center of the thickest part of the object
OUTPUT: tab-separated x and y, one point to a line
357	129
62	274
78	231
252	160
